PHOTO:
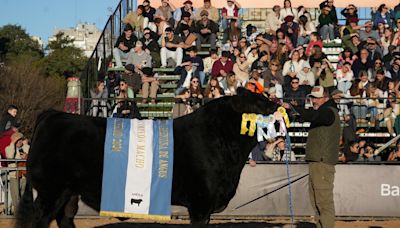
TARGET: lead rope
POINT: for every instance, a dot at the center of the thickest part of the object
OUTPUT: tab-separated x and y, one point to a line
288	153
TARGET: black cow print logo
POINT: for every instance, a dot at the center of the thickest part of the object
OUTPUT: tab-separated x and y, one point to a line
137	201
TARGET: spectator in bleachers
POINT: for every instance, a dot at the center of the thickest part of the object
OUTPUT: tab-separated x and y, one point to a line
233	32
378	65
136	20
273	21
376	103
132	76
161	26
148	13
262	62
306	76
198	64
171	47
295	94
326	24
18	149
363	63
381	82
348	31
165	12
292	67
346	56
392	109
139	58
213	89
188	38
281	54
273	72
182	106
99	94
351	153
382	14
125	107
367	153
251	53
180	12
209	62
186	20
196	93
332	12
230	12
222	66
358	94
206	31
213	13
355	43
387	40
395	70
150	85
368	32
112	83
374	50
315	39
241	68
325	75
276	151
288	10
349	12
302	11
124	46
306	29
230	84
344	77
150	45
186	72
255	83
279	40
395	154
291	29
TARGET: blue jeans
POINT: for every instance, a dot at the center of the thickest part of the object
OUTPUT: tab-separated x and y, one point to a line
327	31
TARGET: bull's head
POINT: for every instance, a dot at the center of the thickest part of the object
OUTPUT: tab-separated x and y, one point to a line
248	102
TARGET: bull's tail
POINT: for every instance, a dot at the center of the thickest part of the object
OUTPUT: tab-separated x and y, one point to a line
25	210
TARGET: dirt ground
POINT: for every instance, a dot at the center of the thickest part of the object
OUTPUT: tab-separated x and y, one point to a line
6	222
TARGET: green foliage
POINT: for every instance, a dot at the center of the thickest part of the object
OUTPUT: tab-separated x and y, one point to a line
63	58
15	41
25	84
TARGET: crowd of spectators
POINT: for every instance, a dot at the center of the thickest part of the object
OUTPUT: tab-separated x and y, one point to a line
285	60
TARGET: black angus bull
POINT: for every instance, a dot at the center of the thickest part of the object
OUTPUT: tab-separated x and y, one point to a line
66	160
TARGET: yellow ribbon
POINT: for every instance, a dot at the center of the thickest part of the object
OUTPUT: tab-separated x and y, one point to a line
246	117
285	116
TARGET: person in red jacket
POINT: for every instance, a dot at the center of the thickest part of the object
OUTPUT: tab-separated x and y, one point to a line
222	66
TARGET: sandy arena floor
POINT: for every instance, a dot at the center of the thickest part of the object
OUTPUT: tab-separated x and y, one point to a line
6	222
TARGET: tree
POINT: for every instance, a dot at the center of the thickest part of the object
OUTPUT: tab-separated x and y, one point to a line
15	41
25	84
64	59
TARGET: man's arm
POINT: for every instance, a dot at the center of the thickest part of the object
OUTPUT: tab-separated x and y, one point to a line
324	117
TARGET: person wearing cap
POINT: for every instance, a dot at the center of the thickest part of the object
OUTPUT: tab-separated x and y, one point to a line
368	32
136	20
322	152
230	11
206	31
124	45
150	85
326	24
139	58
291	29
171	47
18	149
213	13
179	12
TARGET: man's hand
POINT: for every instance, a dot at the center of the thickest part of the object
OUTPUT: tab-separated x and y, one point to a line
223	73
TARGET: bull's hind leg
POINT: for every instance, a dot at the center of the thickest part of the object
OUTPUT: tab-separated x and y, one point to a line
199	218
65	216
